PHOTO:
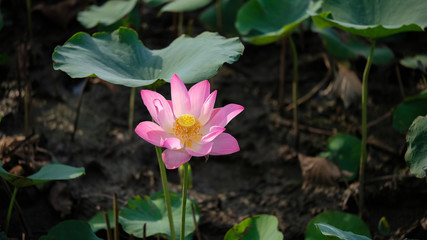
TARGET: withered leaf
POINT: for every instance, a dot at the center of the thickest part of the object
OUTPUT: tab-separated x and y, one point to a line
347	85
320	171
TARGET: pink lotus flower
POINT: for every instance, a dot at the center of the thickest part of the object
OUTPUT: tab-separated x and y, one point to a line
189	125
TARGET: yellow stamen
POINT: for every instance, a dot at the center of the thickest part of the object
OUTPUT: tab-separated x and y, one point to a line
186	120
187	129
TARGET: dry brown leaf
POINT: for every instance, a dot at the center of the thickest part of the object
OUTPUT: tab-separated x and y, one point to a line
319	170
347	85
21	156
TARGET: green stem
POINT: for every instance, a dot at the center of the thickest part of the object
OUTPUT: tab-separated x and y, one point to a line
184	200
282	69
9	212
219	15
131	110
165	190
180	23
26	109
295	90
116	217
363	154
30	21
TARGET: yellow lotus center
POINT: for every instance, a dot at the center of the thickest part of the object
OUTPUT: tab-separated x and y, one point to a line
187	129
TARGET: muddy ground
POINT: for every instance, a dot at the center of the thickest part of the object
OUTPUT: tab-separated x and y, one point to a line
263	178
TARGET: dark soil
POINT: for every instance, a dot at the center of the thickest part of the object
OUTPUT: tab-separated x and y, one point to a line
263	178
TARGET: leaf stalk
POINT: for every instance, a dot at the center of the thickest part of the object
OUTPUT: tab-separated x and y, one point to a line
363	154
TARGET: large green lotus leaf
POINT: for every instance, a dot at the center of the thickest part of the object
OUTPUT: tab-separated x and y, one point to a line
265	21
260	227
412	62
351	47
228	17
408	110
335	233
120	58
152	212
3	236
45	174
71	230
184	5
97	222
107	14
416	154
344	149
373	18
344	221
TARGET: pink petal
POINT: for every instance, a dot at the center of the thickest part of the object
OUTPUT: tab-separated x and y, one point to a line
213	133
207	108
149	97
223	116
172	143
198	94
152	133
175	158
199	150
165	117
224	144
180	98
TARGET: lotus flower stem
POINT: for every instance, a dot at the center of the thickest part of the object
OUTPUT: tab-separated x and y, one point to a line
363	154
9	212
184	200
165	190
295	90
131	110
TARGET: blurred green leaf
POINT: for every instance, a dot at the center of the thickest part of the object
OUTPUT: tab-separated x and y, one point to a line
412	62
334	233
71	230
373	18
416	154
264	21
155	3
184	5
344	150
97	222
131	20
228	18
408	110
3	236
344	221
260	227
107	14
45	174
351	47
120	58
383	226
4	59
152	212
